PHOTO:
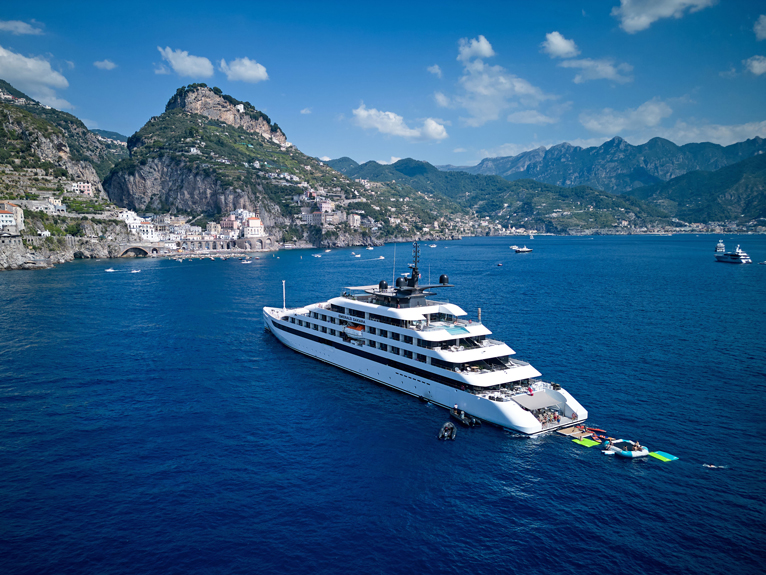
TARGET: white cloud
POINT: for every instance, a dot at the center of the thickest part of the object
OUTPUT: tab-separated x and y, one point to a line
474	48
608	121
184	64
637	15
33	76
603	69
509	149
394	125
756	65
17	27
90	124
730	73
760	27
531	117
105	65
556	46
442	100
306	111
459	150
244	70
325	158
491	89
435	70
393	160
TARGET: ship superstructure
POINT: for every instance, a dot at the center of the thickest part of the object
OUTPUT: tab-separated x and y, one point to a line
404	338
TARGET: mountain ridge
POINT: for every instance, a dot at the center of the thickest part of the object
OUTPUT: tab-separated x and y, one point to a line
616	166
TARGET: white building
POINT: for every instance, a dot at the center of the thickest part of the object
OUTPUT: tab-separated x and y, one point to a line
7	220
18	214
354	220
325	206
253	228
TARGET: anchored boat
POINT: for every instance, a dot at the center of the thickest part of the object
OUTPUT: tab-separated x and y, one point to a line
404	338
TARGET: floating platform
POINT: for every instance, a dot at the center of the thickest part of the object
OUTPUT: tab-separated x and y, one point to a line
574	432
662	456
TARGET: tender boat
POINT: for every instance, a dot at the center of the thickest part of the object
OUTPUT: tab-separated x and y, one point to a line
463	419
370	248
448	431
735	257
110	270
625	448
524	250
432	246
514	247
403	338
135	271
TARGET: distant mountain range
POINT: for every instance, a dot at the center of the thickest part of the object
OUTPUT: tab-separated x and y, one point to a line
523	203
616	166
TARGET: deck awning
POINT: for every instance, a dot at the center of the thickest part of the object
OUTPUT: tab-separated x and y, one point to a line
539	400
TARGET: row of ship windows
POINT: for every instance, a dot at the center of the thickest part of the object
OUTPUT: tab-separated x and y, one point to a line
392	334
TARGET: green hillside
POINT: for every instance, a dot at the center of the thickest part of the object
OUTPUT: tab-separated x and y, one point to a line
733	193
522	203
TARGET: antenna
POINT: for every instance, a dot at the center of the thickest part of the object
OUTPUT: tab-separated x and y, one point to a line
393	270
284	306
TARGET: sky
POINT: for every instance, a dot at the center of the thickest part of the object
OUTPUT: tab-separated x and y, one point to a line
447	82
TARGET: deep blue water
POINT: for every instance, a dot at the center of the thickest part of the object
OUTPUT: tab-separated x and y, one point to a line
148	424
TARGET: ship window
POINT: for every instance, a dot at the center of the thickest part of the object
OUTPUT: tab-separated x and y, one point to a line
383	347
337	308
371	330
407	353
394	350
394	336
324	329
421	357
443	364
332	332
356	313
332	319
324	317
315	327
292	320
383	333
407	339
371	342
424	343
300	322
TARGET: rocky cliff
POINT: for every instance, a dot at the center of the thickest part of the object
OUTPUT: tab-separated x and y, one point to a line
214	105
96	239
174	185
29	141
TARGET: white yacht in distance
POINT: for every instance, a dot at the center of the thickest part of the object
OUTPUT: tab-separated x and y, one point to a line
735	257
401	338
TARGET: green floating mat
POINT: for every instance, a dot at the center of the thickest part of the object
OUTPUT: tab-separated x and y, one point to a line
662	456
587	442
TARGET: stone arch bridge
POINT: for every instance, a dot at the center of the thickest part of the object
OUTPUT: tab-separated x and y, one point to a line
146	249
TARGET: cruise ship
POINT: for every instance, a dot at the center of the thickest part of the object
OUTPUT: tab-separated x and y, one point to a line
402	338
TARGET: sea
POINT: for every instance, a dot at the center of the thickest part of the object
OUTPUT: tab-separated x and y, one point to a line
149	424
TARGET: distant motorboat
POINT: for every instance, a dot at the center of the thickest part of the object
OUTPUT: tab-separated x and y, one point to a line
357	255
524	250
317	255
110	270
327	251
432	246
383	257
514	247
135	271
370	248
531	237
247	261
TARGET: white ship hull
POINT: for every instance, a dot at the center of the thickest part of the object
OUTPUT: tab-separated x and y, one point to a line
507	414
